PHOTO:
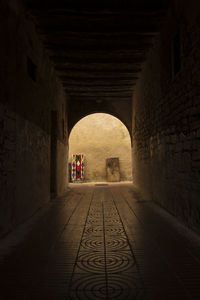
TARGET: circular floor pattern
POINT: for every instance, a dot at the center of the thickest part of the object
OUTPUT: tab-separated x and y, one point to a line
94	230
96	208
112	221
110	215
94	221
122	287
91	262
109	209
118	243
95	215
119	262
92	244
89	287
114	230
86	295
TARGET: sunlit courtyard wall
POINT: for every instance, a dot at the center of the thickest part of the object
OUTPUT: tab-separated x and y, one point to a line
99	137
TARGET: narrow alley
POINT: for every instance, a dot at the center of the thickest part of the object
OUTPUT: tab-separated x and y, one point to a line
80	219
101	241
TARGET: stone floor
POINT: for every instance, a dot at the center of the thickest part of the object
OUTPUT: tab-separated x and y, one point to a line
100	242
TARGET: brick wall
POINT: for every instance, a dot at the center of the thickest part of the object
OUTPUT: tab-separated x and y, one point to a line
166	118
29	92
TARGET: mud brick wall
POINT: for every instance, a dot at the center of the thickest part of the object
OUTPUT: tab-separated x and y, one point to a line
29	92
166	119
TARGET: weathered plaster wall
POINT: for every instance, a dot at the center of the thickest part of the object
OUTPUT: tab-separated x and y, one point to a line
166	119
27	98
98	137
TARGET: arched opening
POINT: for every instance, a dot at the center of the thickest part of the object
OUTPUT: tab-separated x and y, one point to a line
105	143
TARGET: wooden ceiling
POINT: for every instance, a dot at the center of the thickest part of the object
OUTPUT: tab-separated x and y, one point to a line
98	47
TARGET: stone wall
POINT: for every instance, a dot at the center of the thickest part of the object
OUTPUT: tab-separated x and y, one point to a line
166	118
29	92
98	137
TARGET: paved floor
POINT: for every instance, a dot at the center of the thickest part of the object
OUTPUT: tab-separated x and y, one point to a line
100	242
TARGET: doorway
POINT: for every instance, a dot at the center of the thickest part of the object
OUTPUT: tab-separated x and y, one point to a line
101	138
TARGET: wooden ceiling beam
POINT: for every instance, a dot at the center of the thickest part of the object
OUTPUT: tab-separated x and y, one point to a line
79	85
104	35
94	76
98	52
99	77
96	88
99	63
100	93
98	7
67	11
96	49
93	71
99	35
101	47
143	28
103	98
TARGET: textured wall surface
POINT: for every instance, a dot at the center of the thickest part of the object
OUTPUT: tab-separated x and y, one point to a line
98	137
166	119
29	92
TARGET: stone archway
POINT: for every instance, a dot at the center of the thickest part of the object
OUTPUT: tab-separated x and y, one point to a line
101	137
121	109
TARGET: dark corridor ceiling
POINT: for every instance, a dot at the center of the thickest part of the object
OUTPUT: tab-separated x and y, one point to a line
98	50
